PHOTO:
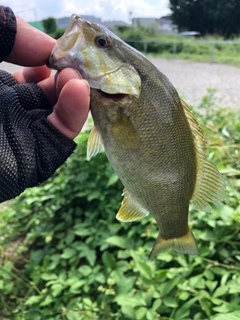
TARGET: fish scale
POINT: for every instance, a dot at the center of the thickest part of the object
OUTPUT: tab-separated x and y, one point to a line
151	139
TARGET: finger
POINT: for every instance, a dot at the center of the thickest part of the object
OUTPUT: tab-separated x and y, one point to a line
64	76
71	110
31	46
48	87
32	74
52	88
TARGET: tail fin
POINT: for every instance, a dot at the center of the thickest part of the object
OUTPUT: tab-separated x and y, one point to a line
185	244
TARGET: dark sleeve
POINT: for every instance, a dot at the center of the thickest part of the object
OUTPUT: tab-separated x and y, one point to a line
31	149
7	31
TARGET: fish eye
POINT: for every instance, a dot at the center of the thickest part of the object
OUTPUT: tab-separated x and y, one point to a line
102	41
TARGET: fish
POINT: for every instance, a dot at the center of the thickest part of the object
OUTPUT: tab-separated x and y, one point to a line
151	139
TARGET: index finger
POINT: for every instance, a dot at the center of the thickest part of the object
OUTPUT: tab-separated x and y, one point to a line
31	47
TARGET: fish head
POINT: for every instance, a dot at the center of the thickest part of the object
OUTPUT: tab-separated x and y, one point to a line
97	54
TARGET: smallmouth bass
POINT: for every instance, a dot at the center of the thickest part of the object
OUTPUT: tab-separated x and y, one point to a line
151	139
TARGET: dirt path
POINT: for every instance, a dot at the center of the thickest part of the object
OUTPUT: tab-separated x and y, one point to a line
192	79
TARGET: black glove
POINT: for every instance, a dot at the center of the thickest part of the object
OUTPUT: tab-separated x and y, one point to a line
30	148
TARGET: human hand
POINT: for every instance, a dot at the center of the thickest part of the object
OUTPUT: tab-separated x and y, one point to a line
69	95
32	107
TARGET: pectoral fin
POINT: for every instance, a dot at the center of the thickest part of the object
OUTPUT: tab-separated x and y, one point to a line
130	209
185	244
124	80
94	145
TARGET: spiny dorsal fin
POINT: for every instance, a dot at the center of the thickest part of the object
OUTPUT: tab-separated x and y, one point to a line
94	145
130	209
210	185
185	244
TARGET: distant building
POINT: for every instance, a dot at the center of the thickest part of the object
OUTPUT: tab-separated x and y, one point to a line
64	22
166	25
146	22
115	23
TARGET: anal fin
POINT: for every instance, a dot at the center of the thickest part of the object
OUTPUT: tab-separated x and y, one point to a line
185	244
130	209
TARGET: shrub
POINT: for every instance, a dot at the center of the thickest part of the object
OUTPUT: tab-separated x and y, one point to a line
65	256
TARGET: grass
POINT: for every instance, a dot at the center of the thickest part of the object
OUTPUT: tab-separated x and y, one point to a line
230	54
212	49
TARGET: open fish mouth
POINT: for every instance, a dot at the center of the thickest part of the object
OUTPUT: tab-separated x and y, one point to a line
114	96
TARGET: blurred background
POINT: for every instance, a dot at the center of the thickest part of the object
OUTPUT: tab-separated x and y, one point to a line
63	255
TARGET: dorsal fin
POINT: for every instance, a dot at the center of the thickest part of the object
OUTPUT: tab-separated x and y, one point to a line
210	185
94	145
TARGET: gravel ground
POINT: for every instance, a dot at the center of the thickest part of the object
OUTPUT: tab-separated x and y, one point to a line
192	79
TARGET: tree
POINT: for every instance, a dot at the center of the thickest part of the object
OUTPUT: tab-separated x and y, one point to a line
207	16
50	25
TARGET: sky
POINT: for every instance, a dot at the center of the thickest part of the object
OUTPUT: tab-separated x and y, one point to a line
31	10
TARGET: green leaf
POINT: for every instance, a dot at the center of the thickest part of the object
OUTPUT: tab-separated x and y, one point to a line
68	253
48	300
222	309
211	285
156	304
150	315
184	295
70	237
48	276
197	281
108	260
118	241
170	302
33	300
126	285
94	195
76	285
167	286
124	300
72	315
220	291
85	270
140	313
128	311
87	253
144	269
227	316
56	288
112	180
55	259
183	312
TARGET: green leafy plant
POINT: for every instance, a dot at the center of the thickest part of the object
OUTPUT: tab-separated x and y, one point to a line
63	255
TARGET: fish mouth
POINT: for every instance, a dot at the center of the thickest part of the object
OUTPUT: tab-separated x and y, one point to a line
113	96
105	95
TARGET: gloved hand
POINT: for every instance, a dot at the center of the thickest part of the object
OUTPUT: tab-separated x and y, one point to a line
38	116
31	149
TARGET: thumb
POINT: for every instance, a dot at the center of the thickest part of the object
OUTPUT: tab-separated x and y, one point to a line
71	109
